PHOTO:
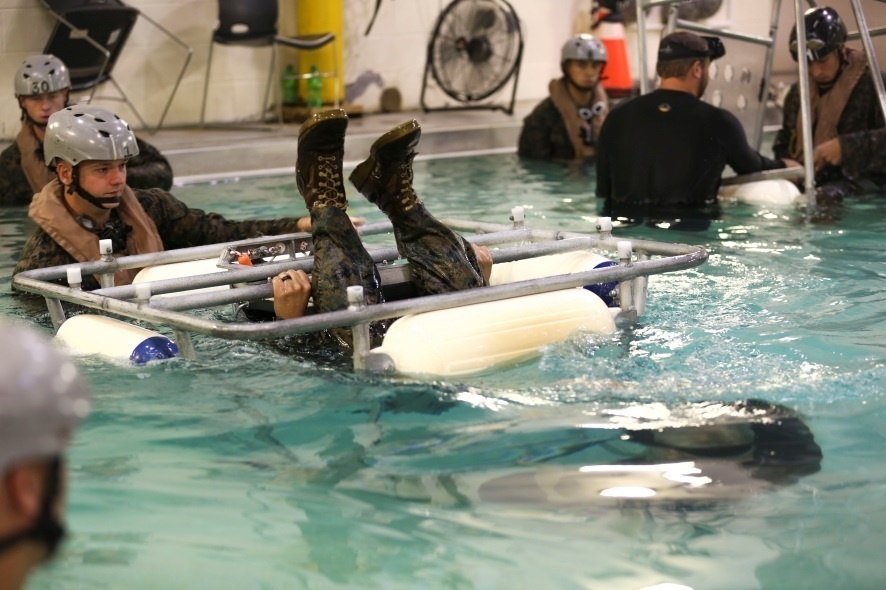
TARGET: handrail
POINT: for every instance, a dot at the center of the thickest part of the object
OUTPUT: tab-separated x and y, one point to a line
138	303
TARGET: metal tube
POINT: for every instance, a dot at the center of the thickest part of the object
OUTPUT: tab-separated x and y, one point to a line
875	32
872	56
640	284
763	96
788	173
805	108
359	331
185	345
344	318
56	312
697	28
641	46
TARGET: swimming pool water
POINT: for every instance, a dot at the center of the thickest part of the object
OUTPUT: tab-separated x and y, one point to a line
254	468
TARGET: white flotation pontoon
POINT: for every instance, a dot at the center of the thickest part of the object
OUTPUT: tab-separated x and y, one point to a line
546	287
773	188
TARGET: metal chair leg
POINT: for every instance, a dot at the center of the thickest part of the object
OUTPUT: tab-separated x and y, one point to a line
206	85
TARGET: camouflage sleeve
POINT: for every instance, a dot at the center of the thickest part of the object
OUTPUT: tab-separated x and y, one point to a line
781	147
863	110
14	186
536	136
182	227
864	153
149	169
41	251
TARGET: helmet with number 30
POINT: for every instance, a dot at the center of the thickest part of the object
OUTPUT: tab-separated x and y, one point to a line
41	74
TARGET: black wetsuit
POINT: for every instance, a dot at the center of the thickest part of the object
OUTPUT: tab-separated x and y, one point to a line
661	156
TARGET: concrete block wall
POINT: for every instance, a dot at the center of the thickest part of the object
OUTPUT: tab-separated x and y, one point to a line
393	53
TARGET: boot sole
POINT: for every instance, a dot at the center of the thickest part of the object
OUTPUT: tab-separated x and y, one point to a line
335	117
364	169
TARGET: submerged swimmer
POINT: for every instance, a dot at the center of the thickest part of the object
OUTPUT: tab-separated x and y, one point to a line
751	448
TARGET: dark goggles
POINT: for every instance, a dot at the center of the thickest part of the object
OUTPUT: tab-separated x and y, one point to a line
670	50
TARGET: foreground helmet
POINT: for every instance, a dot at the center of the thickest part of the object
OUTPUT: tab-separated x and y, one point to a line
825	33
40	74
85	132
42	397
584	47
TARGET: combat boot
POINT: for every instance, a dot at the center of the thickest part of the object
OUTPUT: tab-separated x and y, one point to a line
318	167
385	178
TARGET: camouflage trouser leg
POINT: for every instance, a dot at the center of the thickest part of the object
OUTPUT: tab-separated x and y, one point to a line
441	260
341	261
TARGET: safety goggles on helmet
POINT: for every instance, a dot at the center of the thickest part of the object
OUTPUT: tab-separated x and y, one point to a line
825	33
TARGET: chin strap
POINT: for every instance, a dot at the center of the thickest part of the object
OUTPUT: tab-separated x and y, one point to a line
47	529
75	188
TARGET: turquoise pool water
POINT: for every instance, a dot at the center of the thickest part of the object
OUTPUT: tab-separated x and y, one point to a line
254	468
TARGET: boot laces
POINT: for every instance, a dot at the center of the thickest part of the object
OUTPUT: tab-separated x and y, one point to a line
329	182
408	197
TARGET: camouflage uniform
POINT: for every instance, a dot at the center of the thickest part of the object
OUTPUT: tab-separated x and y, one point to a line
149	169
544	135
862	113
178	226
864	154
441	260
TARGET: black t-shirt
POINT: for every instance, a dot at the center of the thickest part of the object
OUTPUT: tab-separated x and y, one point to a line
661	156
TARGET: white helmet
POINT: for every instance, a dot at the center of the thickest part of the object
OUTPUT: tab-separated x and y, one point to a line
85	132
584	47
41	74
42	397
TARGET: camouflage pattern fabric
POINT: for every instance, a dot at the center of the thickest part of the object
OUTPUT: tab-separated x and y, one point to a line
544	135
14	186
149	169
441	261
861	113
178	226
864	153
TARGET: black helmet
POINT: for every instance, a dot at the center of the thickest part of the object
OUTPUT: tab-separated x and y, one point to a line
825	33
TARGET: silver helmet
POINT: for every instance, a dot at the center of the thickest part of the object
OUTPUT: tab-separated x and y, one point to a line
40	74
584	47
85	132
42	396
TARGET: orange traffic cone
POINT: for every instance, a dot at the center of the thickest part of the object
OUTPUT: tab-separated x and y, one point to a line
617	78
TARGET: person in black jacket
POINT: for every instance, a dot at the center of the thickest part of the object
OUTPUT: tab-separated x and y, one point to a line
42	85
660	156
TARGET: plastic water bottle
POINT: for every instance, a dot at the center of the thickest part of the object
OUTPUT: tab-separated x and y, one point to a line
315	87
289	84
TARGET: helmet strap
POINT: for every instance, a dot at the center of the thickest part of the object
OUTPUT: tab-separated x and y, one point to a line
48	528
75	188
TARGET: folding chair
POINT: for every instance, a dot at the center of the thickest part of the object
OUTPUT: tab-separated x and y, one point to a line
89	36
254	23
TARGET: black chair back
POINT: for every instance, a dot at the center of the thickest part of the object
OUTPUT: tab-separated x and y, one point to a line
107	22
246	22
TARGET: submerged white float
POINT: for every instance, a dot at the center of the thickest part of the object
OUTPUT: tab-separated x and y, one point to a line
546	287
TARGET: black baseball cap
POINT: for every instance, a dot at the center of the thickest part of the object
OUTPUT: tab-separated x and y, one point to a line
671	48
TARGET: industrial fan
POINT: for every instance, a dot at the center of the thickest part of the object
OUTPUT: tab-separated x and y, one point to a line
475	49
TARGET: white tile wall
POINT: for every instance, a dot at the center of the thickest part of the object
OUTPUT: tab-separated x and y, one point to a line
395	50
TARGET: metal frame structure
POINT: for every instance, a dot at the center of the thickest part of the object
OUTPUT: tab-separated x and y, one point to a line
863	33
638	259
